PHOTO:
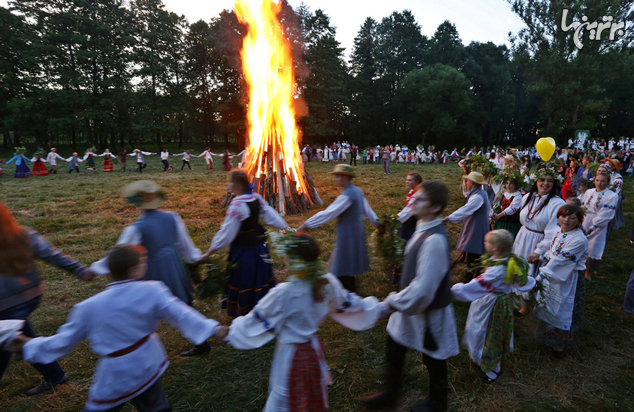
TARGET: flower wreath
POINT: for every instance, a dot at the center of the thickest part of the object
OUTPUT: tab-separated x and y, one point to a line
509	174
549	168
285	243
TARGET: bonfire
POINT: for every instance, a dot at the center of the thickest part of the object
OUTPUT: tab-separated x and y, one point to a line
273	160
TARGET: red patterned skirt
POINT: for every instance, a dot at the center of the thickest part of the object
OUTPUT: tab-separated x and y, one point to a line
107	165
39	169
305	381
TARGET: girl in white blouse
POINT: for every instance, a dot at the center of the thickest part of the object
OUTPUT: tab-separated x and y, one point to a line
250	272
291	313
560	309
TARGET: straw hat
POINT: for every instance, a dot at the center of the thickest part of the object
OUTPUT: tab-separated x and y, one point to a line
615	162
476	178
145	194
343	170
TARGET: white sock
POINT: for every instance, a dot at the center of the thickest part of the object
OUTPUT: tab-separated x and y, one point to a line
498	368
491	375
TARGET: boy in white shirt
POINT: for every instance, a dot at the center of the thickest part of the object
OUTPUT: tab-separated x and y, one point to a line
120	324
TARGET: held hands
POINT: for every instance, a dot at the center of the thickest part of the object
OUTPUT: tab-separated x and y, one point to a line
204	257
302	229
17	344
221	333
589	232
533	258
89	275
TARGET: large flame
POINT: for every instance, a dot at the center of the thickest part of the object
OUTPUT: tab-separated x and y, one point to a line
267	64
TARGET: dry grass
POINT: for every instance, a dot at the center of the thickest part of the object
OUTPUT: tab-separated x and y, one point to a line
83	215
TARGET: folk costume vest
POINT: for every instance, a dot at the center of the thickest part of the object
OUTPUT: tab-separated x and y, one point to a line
159	232
476	226
443	294
251	232
350	256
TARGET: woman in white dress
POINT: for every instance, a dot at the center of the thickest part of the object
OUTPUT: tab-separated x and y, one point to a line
560	308
538	215
489	331
292	313
601	204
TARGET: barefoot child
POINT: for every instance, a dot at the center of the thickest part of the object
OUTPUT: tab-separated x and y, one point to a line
120	324
489	330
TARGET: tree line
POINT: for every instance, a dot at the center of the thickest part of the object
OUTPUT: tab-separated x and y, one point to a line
117	74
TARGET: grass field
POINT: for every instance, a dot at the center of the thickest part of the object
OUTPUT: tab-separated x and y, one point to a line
84	214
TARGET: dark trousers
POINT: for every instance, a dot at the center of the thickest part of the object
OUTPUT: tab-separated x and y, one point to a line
348	283
151	400
185	162
437	370
353	158
471	259
76	169
52	372
141	166
166	164
53	169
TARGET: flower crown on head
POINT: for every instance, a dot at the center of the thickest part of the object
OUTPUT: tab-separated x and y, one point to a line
548	168
285	243
509	174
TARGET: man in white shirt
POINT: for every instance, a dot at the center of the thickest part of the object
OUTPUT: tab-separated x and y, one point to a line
475	217
52	160
423	319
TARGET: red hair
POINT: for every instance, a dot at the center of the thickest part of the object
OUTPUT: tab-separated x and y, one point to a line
16	254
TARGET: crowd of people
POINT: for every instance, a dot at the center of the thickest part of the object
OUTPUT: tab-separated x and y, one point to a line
524	245
40	157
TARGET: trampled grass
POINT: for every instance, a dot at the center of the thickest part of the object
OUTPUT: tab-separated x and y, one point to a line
84	215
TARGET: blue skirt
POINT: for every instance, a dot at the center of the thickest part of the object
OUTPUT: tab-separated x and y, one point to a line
22	170
166	266
250	278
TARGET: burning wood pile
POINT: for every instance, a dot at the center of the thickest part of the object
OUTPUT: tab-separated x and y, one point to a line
273	161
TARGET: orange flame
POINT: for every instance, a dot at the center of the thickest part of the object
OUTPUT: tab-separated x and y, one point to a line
267	64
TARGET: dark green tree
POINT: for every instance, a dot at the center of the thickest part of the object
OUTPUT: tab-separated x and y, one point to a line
433	100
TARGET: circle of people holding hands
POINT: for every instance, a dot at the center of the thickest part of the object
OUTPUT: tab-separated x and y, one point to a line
40	157
526	242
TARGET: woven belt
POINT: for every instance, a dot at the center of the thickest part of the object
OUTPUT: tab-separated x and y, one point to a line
130	348
534	231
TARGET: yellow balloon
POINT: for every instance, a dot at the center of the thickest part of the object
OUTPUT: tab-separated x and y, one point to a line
546	148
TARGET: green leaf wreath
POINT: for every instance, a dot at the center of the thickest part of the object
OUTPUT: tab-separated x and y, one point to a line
389	245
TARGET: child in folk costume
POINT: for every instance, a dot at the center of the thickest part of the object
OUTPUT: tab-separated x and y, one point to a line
250	272
186	156
405	216
89	159
538	215
474	215
123	158
51	158
350	255
600	204
74	163
562	277
616	185
21	169
208	158
120	324
489	331
423	319
167	241
509	203
140	159
226	161
21	287
38	164
291	312
107	163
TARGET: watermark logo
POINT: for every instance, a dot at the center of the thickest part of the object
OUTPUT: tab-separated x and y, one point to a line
595	28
